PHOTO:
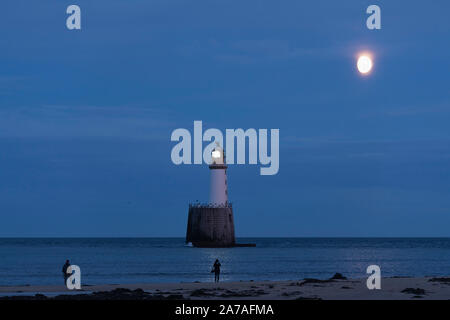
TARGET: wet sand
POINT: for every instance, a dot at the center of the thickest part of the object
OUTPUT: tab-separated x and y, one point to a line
396	288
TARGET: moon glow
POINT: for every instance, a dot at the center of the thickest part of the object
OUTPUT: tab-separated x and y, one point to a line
364	64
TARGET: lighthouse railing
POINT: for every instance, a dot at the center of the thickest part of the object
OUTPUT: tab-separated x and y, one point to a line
210	205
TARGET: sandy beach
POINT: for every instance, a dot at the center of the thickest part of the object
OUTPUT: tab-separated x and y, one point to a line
396	288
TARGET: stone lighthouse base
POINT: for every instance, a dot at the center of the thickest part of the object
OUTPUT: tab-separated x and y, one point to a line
212	227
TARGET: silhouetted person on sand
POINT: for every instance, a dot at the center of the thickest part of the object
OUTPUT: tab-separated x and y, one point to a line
216	269
64	270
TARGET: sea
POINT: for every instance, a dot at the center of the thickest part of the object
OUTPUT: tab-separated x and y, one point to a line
39	261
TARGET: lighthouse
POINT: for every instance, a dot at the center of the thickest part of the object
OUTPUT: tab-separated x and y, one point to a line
212	224
218	187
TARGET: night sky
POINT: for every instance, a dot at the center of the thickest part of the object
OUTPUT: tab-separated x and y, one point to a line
86	116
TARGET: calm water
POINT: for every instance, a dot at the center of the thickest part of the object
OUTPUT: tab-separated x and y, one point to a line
137	260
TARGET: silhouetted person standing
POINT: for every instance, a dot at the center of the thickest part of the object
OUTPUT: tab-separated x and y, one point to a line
64	270
216	268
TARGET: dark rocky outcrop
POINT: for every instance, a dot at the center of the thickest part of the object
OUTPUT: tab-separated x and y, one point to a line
416	291
338	276
293	293
116	294
244	293
309	298
441	280
202	293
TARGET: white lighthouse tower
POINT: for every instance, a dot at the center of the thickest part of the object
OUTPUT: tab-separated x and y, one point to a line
218	167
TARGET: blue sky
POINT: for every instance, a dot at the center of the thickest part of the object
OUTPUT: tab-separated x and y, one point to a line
86	116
